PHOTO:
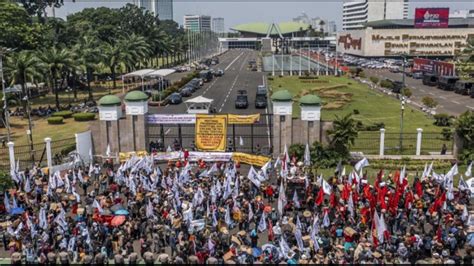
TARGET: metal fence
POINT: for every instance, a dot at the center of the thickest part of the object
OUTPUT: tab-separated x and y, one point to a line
368	142
251	138
29	155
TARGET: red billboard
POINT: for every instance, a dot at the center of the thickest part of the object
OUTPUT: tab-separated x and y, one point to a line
433	67
431	17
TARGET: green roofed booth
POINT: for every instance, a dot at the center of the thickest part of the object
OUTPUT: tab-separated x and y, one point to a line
136	103
310	107
110	108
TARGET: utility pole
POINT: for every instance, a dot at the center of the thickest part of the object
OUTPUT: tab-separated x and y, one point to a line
300	61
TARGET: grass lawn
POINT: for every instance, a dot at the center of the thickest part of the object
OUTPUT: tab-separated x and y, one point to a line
41	129
373	106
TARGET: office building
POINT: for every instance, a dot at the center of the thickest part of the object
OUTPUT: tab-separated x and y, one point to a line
397	37
462	14
161	8
356	13
197	23
218	25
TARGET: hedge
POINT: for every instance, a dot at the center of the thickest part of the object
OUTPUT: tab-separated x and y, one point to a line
55	120
63	114
83	116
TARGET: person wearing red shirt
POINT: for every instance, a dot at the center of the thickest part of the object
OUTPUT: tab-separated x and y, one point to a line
269	192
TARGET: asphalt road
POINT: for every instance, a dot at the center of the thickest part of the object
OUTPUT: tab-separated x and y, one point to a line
223	90
449	102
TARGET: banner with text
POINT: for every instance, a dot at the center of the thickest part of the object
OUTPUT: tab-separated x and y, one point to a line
251	159
211	132
243	119
171	119
123	156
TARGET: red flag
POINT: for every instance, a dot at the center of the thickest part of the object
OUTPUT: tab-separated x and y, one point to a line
271	235
346	190
396	177
418	188
408	199
333	200
375	240
320	197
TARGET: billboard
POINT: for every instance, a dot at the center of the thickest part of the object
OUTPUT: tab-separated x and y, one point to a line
433	67
431	17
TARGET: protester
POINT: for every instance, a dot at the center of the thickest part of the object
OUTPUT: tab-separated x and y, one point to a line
198	212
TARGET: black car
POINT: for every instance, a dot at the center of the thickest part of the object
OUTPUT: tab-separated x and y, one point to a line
262	91
430	79
186	92
447	82
242	100
175	98
206	75
261	102
464	87
219	73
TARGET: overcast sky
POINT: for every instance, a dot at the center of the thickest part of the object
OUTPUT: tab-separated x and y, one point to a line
236	12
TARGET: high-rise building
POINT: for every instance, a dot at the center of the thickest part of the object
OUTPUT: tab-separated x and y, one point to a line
218	25
356	13
466	13
197	23
161	8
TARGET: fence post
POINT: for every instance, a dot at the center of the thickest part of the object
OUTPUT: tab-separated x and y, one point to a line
11	151
48	154
382	142
418	141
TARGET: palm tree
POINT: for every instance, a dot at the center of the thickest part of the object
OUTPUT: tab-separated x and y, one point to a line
343	134
22	67
89	55
157	40
57	62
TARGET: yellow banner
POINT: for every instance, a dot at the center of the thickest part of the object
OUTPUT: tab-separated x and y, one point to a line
123	156
251	159
211	132
243	119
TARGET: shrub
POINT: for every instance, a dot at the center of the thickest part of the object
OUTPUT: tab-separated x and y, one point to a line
55	120
447	133
83	116
442	120
270	78
362	74
374	79
429	102
407	92
356	111
63	114
386	84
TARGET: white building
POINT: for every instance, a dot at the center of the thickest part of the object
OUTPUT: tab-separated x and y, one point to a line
161	8
218	25
356	13
197	23
462	14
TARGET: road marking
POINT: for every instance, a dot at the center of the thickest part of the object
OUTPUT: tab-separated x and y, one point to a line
455	102
431	93
235	81
442	97
231	63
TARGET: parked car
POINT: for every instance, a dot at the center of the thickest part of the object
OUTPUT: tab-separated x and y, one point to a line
198	81
175	98
464	87
417	75
261	91
242	100
186	92
447	82
206	75
430	79
219	73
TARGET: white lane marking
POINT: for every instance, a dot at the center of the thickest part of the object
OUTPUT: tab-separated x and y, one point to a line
442	97
431	93
167	131
455	102
231	63
235	81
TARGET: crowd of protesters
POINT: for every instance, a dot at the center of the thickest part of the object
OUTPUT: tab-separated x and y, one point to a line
224	212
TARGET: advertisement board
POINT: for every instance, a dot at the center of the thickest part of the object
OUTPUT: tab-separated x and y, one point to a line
422	65
431	17
211	132
433	67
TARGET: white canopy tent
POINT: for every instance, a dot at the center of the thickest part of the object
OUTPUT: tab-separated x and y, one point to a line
199	105
148	73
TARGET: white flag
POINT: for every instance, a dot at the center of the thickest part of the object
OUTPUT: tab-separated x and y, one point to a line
361	164
465	214
468	172
326	221
262	225
96	205
107	151
402	174
428	171
296	201
241	141
228	220
149	210
307	156
350	205
462	184
253	177
326	187
381	228
214	218
250	212
281	199
6	202
43	222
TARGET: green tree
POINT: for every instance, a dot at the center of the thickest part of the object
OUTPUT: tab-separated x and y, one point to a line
38	7
57	62
343	134
89	57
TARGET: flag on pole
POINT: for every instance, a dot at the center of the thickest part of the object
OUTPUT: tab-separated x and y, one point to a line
6	202
96	205
361	164
107	151
350	205
253	177
299	239
227	218
468	172
326	221
402	175
381	228
262	225
250	212
241	141
296	201
307	155
281	199
462	185
326	187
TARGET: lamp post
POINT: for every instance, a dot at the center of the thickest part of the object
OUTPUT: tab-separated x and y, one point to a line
29	132
402	107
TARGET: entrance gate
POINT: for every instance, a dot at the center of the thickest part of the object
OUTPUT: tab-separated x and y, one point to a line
250	138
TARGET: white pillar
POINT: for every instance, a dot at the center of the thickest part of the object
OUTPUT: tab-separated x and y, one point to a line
11	151
49	158
418	141
382	142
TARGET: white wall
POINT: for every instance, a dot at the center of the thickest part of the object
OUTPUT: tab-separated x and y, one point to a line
84	145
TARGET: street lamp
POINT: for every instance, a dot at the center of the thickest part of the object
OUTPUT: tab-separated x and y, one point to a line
402	107
29	132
